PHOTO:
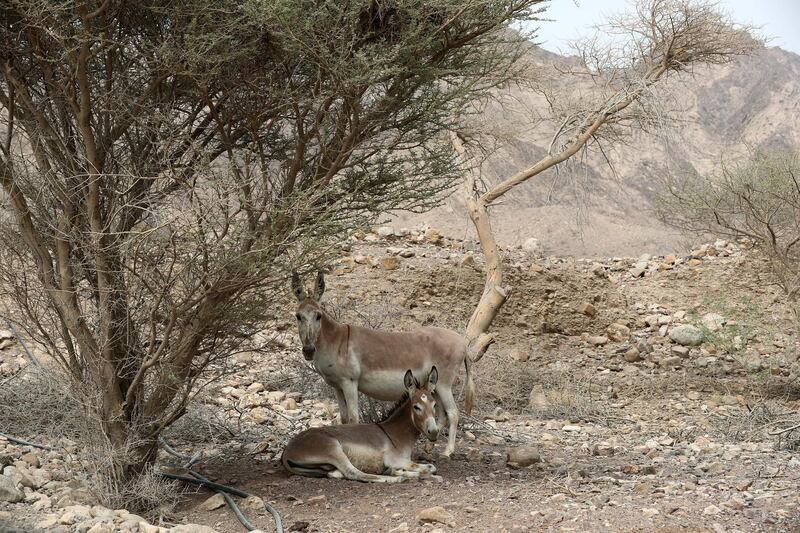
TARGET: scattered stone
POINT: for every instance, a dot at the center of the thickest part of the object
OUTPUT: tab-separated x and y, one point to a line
9	491
680	351
214	502
385	231
687	335
618	332
712	510
432	236
632	355
597	340
587	309
435	515
713	322
638	271
390	263
289	404
522	456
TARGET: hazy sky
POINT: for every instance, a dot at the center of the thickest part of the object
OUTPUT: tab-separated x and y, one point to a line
779	19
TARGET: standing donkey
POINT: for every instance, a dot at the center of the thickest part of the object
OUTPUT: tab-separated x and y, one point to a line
352	358
368	452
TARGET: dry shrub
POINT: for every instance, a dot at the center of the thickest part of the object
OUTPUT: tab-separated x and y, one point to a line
759	420
150	495
206	423
39	405
561	394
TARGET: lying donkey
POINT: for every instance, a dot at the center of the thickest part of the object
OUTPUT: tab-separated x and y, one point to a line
352	359
378	453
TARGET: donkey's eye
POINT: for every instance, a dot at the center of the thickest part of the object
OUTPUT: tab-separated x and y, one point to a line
318	316
298	316
417	408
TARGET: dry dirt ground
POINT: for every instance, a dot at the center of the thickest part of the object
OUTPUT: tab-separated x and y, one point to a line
635	431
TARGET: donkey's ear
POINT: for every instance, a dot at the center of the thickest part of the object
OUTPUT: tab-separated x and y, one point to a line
297	287
409	381
433	377
319	286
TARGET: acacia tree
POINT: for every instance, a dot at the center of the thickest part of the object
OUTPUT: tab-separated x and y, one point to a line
166	165
631	55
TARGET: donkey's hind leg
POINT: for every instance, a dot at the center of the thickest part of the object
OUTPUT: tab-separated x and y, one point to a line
345	469
451	409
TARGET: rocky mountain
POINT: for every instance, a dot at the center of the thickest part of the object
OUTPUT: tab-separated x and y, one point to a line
589	208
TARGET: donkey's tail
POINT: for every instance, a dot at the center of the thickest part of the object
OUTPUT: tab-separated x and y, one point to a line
469	387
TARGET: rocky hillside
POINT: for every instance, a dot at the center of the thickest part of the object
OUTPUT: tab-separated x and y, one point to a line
587	210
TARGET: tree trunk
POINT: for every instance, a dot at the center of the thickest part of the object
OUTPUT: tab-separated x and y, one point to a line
494	293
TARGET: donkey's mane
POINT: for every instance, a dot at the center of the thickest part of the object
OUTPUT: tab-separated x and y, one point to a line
394	408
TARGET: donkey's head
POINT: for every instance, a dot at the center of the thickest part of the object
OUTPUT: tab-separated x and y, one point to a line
308	313
423	403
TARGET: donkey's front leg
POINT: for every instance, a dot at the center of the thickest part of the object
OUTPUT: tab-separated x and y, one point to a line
342	405
350	391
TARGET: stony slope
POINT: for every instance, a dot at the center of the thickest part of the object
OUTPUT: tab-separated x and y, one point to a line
588	210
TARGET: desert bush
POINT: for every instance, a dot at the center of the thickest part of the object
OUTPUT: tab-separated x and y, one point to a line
547	394
757	199
38	404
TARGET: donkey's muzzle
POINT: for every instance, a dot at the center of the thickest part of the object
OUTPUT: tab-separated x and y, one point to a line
432	435
308	352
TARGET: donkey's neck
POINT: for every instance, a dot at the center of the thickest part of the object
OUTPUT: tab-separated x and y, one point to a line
400	428
334	333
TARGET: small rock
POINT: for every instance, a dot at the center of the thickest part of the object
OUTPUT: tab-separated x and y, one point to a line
289	404
618	332
435	515
712	510
632	355
713	321
638	271
32	459
467	261
432	236
587	309
385	231
687	335
522	456
9	491
390	263
214	502
680	351
597	340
